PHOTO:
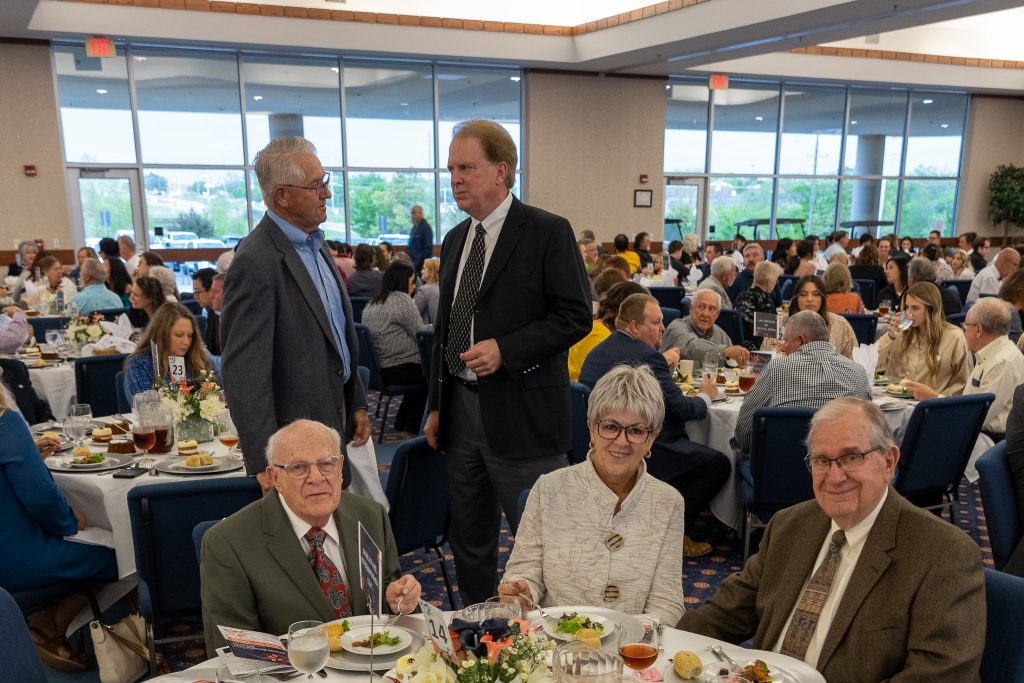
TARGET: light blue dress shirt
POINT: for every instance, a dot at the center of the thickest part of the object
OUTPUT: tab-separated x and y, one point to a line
307	246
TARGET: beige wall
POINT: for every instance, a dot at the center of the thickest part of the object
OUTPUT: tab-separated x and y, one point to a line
994	136
588	140
33	207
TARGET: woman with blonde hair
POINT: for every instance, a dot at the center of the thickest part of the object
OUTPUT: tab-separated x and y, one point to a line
960	263
839	298
174	331
428	291
930	351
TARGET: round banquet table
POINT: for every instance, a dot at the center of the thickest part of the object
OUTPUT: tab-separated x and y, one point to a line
56	384
673	640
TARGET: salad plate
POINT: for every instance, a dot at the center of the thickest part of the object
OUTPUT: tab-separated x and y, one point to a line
564	629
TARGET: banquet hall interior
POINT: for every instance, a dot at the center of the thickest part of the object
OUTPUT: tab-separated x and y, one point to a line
712	118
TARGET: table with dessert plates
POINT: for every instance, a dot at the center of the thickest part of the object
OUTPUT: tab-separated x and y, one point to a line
104	500
786	669
718	428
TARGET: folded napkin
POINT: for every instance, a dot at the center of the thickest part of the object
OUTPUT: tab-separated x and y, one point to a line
122	328
866	356
109	343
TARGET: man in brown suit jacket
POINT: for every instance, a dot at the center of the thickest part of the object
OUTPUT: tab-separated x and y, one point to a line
905	599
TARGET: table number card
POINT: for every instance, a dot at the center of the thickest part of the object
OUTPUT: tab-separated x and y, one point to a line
437	628
176	364
766	325
370	561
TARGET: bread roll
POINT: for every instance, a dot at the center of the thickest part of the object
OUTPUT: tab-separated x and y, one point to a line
687	665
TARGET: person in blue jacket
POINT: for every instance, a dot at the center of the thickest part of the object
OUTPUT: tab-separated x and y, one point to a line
36	523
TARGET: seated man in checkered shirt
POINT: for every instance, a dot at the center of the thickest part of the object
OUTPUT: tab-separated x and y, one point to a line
811	374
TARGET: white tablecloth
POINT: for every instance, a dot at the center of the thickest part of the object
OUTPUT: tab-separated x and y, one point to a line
673	641
57	385
715	431
104	501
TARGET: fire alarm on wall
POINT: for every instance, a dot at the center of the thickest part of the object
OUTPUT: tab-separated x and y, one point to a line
643	177
31	171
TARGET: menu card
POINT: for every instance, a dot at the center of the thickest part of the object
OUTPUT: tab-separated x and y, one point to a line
766	325
254	645
759	359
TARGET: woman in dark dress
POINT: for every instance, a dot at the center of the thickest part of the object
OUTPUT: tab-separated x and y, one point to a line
867	267
758	299
896	275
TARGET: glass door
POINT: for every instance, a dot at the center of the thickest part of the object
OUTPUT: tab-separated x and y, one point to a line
684	208
105	203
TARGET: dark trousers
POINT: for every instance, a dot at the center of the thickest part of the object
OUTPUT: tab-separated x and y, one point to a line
410	411
697	484
480	486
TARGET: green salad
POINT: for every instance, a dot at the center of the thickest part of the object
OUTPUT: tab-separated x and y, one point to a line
377	639
573	622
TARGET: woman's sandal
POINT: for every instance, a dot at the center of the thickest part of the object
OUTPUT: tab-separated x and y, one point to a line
49	650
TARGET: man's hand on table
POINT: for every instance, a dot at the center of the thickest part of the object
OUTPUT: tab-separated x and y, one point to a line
709	386
405	590
671	357
740	354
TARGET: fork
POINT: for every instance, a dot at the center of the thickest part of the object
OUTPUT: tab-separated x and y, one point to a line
717	651
397	615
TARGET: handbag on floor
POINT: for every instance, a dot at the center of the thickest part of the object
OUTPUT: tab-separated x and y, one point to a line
121	651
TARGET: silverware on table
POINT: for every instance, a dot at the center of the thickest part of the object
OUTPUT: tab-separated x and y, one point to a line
717	651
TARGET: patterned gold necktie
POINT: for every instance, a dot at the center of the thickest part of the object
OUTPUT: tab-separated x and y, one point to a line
812	600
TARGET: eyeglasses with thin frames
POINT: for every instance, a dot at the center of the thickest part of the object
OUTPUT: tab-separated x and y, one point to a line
300	470
635	434
847	462
319	187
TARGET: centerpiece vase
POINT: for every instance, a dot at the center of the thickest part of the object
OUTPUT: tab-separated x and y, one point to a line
194	427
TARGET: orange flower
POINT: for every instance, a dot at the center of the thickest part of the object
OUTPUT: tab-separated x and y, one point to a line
494	648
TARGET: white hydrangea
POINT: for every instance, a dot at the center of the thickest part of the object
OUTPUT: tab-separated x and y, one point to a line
94	331
211	408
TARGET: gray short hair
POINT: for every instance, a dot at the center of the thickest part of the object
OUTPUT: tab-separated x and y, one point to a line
752	245
765	272
276	164
992	314
809	325
722	265
94	271
847	407
921	269
166	278
278	439
690	242
629	389
707	292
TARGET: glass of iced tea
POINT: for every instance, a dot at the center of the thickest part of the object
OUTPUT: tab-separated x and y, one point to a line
638	647
883	308
228	434
144	429
747	378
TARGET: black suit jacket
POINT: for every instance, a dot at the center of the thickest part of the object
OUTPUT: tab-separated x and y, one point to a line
672	442
534	301
280	362
16	377
212	336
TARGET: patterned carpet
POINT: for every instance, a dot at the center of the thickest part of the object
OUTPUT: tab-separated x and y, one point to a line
701	575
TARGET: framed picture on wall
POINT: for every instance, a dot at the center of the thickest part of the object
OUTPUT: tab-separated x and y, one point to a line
643	198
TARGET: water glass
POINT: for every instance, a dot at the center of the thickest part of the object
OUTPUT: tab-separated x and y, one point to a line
308	648
577	662
710	365
79	420
53	338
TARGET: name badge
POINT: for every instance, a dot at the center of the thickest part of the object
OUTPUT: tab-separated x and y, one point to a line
976	382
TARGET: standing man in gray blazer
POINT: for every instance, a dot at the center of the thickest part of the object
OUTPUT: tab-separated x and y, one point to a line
289	345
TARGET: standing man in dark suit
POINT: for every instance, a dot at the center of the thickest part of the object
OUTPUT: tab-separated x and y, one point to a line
289	346
513	299
859	583
421	239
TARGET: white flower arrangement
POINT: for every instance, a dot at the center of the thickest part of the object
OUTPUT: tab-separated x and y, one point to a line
85	329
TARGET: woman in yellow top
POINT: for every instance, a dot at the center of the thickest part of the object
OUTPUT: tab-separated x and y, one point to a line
621	243
604	324
931	350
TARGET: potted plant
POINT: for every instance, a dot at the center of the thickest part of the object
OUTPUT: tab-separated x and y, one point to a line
1006	197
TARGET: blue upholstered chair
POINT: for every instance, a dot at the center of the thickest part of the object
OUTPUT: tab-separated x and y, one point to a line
96	382
1000	502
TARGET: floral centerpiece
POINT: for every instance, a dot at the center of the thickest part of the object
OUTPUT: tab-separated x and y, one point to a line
82	330
194	406
497	650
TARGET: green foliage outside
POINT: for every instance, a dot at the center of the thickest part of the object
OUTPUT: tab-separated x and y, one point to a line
380	204
105	195
193	222
1006	197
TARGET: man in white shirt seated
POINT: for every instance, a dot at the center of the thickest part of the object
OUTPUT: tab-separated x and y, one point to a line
987	280
859	583
839	242
999	364
293	555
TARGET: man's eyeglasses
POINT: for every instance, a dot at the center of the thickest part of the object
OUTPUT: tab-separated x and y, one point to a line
635	434
848	462
963	326
300	469
318	187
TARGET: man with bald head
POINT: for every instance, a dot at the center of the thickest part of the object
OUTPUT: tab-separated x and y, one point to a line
293	555
859	583
988	279
999	365
697	333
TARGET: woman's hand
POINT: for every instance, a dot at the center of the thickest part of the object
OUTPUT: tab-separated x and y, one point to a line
80	517
517	591
46	446
922	392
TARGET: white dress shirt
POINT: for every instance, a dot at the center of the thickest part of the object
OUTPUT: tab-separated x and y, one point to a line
332	544
856	536
999	369
985	282
492	227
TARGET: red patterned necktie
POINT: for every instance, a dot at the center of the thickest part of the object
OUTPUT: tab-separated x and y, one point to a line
812	600
327	574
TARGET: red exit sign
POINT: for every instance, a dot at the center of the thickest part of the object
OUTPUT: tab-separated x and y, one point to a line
100	47
718	82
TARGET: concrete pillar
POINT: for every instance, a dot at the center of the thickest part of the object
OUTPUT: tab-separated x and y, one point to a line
285	124
867	194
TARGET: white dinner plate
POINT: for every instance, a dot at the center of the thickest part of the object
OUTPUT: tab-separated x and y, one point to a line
220	466
361	633
899	394
63	464
85	465
391	675
197	468
349	661
783	669
550	624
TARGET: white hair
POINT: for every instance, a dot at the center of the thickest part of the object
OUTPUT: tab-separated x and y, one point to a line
706	291
722	265
276	164
628	389
282	438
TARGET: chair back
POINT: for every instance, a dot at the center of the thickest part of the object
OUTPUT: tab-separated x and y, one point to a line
669	314
417	492
96	382
777	453
1000	502
579	397
729	321
867	291
163	517
111	314
124	404
364	376
684	307
40	324
1003	658
956	318
369	357
197	536
786	284
358	304
425	342
962	288
938	442
21	663
865	326
668	297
